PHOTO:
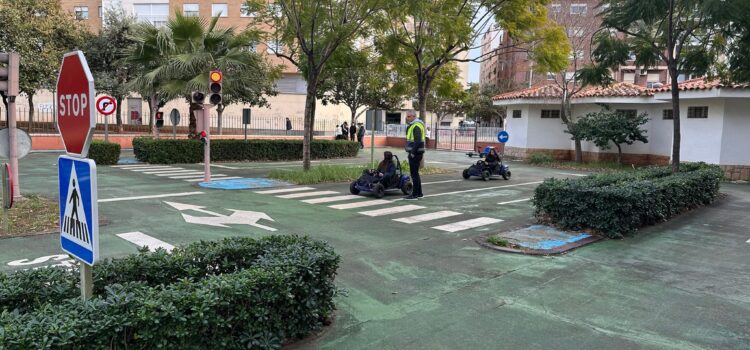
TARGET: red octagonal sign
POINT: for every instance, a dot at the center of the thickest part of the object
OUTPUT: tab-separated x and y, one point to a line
76	118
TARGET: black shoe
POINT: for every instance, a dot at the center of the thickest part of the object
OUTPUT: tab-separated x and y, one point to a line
420	196
410	198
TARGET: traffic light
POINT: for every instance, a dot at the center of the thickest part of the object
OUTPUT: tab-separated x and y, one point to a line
203	136
198	97
214	87
159	119
9	74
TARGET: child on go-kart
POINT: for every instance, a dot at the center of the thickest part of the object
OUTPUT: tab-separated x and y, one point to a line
385	170
493	160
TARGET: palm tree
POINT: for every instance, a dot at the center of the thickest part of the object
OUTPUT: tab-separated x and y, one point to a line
184	51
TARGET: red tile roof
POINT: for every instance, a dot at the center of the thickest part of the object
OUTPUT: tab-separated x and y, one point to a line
701	84
554	91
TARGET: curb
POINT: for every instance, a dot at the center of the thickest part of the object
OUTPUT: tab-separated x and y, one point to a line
482	241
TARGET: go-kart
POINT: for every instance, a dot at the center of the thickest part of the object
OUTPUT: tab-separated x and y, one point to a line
372	183
485	170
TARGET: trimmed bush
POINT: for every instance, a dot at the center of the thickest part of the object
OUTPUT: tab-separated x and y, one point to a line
618	204
236	293
191	151
540	158
104	153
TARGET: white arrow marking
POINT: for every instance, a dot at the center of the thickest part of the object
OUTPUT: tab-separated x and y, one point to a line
238	217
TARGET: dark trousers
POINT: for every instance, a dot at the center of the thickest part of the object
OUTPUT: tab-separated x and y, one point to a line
361	144
414	170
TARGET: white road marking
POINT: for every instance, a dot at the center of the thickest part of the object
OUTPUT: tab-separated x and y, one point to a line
136	166
391	210
192	176
427	217
571	174
467	224
143	170
482	189
215	178
187	172
156	172
331	199
440	182
515	201
119	199
143	240
748	241
285	190
221	166
306	194
360	204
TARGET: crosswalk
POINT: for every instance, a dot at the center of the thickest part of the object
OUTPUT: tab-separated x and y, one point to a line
366	206
172	172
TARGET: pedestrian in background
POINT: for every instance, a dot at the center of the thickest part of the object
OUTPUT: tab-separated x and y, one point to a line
415	148
361	136
345	131
427	136
337	132
352	131
288	126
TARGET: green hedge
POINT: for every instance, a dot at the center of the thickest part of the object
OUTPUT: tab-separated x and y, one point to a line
618	204
191	151
104	153
236	293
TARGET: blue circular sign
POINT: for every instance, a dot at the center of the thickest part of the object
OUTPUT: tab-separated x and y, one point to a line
503	136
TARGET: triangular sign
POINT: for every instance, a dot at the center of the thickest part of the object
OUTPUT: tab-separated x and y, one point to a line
74	225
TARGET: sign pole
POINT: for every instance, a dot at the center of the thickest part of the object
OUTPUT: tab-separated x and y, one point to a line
87	281
13	145
106	128
372	137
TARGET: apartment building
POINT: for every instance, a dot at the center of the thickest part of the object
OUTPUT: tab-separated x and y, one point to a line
509	70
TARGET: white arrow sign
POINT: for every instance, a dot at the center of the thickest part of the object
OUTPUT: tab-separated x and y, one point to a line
238	217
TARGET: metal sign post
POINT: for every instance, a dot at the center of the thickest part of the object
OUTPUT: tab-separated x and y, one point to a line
174	117
246	114
372	138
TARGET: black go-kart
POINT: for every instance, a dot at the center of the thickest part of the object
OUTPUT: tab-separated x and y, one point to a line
486	171
371	183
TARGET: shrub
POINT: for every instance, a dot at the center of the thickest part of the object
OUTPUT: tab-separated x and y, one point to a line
191	151
540	158
618	204
235	293
104	153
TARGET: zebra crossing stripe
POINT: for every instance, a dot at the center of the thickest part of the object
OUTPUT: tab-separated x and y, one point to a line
136	166
214	179
143	170
331	199
186	172
392	210
427	217
360	204
143	240
306	194
285	190
467	224
193	176
156	172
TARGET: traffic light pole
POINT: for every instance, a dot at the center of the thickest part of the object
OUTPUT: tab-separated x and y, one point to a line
207	147
13	147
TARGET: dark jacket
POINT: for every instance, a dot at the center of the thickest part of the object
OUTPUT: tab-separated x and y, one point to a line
353	130
345	131
288	124
361	132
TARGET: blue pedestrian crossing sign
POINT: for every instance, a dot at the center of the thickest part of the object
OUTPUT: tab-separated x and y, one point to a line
503	136
79	213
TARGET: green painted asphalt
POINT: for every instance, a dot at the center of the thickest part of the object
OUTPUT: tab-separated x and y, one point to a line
679	285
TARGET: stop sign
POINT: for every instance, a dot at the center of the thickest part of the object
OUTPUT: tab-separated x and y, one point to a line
76	118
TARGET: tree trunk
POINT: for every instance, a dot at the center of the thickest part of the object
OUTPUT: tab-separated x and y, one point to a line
31	111
310	102
579	151
119	114
153	102
619	153
676	113
354	115
219	113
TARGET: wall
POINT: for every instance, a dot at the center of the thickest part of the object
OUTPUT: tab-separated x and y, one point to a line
701	138
546	133
517	128
736	132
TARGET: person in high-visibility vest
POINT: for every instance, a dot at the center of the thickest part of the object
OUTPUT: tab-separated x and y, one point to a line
415	147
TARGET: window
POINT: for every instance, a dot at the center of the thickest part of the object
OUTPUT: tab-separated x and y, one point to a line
275	10
653	77
274	47
516	113
555	8
81	12
628	77
550	76
101	14
698	112
245	11
630	113
667	114
550	113
157	14
219	10
570	75
252	47
575	32
191	10
578	9
576	55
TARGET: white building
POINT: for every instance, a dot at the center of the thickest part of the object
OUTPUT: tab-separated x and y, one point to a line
715	123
